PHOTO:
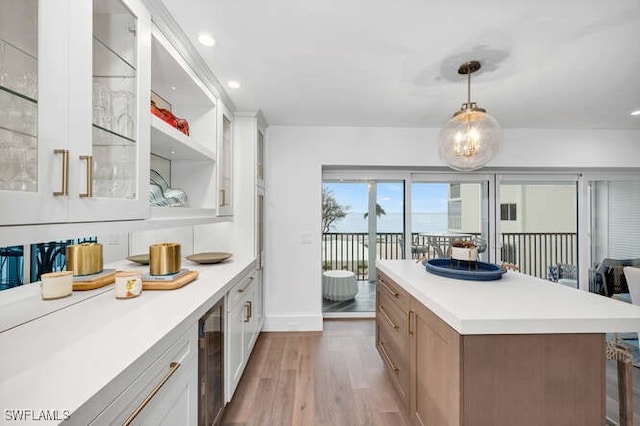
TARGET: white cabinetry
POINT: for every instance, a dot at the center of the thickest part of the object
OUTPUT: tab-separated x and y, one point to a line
190	159
244	323
164	394
75	164
225	161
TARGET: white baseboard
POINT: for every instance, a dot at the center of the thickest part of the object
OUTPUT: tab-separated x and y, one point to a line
300	322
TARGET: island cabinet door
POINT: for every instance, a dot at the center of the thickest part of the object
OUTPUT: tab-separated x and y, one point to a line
435	391
534	379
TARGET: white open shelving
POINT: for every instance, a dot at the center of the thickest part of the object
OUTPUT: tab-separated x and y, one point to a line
190	160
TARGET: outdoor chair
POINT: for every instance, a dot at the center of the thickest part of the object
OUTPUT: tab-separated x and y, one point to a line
564	274
608	278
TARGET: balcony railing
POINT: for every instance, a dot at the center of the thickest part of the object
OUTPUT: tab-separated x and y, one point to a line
533	253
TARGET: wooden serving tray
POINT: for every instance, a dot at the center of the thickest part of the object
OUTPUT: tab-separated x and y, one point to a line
180	281
94	283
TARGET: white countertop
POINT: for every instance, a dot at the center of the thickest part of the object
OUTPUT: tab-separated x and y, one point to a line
515	304
64	359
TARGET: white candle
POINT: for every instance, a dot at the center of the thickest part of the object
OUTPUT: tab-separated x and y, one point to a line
55	285
128	284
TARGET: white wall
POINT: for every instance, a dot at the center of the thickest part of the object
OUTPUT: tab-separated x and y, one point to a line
295	156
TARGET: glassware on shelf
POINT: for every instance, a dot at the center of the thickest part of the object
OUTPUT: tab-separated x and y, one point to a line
102	115
123	111
18	165
18	70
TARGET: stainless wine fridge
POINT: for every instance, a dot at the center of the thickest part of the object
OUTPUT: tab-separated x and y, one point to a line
211	366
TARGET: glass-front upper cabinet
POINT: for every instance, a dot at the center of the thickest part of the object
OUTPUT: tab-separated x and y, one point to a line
18	102
113	112
74	75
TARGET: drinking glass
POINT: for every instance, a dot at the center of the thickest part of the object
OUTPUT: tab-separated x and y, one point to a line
102	98
124	110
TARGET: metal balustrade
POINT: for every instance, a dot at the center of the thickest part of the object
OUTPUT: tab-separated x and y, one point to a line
532	252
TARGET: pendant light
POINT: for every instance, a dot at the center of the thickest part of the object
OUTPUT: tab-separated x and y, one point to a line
471	138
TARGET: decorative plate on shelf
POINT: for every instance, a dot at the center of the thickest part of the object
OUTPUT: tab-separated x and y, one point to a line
211	257
142	259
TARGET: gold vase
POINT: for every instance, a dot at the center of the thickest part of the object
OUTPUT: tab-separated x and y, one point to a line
164	258
84	259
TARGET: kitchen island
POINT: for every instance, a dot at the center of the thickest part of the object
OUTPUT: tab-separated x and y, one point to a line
519	350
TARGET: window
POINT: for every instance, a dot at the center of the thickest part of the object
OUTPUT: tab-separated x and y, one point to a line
508	211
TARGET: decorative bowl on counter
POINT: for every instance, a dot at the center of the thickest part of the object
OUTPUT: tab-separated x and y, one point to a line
464	270
142	259
210	257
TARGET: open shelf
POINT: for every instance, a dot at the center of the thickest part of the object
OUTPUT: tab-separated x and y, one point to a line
170	143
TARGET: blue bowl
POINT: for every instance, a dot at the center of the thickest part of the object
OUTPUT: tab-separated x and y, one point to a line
464	269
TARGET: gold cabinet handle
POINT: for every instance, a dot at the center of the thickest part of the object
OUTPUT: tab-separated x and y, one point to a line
389	289
244	287
388	318
250	308
387	359
89	161
65	172
247	312
172	369
223	197
409	318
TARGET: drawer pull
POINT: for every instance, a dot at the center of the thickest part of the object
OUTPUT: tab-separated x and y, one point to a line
89	160
248	311
244	287
65	172
172	369
409	315
389	320
387	359
389	289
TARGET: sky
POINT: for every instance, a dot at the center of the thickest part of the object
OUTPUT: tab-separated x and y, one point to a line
427	197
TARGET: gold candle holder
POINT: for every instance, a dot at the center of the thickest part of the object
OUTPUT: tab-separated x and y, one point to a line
164	258
84	259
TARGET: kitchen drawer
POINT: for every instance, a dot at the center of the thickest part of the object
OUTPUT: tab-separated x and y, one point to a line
240	290
183	352
391	316
386	284
396	361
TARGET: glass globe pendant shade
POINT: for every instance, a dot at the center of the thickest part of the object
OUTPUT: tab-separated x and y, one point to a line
470	139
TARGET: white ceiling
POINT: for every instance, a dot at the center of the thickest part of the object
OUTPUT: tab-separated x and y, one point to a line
546	63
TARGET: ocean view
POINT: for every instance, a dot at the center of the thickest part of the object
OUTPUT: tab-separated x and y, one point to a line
392	222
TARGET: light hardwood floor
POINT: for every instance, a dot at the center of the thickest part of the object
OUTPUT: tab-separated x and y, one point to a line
331	378
334	377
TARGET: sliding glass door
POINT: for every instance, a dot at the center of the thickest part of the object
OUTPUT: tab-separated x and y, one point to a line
537	219
446	208
362	221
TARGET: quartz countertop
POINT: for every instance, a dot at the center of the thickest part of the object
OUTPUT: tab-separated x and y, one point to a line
64	359
515	304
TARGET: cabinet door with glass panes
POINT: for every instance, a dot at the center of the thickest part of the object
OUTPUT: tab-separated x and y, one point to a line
109	110
33	111
225	163
55	155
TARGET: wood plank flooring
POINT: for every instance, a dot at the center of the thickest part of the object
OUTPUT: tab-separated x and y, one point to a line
335	377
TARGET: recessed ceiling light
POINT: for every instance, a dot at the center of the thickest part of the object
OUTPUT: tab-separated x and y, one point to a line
233	84
636	112
172	152
207	40
173	87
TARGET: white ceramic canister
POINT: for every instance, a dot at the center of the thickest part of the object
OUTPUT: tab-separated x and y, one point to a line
128	284
55	285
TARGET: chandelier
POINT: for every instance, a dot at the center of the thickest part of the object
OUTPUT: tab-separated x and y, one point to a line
471	138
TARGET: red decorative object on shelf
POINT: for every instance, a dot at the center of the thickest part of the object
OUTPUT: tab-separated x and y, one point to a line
167	116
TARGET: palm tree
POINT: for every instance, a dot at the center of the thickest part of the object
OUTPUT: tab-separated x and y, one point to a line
379	211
